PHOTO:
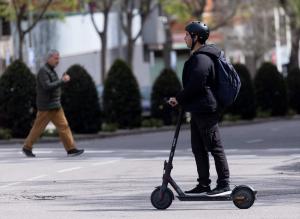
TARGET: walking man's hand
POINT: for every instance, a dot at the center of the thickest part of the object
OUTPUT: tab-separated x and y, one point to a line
172	101
66	77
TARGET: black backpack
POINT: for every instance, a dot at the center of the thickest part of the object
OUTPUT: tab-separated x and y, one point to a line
227	81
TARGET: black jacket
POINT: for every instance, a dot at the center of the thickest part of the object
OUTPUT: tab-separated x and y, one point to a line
198	81
48	89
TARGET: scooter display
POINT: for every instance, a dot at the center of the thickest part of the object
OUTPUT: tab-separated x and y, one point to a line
243	196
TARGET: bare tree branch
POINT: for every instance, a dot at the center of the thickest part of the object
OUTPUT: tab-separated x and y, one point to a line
144	14
91	10
225	21
39	17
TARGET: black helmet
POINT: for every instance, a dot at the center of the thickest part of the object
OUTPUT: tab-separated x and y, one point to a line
196	28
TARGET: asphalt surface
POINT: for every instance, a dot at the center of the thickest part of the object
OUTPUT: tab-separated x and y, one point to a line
115	177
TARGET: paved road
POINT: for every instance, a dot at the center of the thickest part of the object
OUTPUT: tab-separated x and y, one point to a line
116	176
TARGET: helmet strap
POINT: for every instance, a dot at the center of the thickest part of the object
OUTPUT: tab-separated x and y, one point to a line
193	42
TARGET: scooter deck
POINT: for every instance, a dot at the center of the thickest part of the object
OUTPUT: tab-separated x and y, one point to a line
204	197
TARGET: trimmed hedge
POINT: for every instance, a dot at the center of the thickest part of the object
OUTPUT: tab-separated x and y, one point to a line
271	91
165	86
244	105
293	83
121	97
80	101
17	99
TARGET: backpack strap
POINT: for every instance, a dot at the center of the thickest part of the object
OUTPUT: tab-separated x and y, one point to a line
213	58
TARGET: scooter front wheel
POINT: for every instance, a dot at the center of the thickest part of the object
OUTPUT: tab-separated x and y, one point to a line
243	197
162	200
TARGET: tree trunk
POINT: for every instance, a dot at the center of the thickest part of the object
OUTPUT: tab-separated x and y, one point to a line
103	59
294	58
167	46
130	43
21	42
130	53
104	46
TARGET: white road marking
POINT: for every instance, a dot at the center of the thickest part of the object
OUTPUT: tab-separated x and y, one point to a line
36	177
155	151
10	184
96	151
69	169
254	141
39	152
37	158
59	171
105	162
245	156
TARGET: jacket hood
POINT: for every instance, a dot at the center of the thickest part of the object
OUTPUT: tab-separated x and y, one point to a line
209	49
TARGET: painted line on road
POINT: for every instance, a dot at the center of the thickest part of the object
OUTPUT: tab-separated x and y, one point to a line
244	156
282	149
36	177
68	170
105	162
44	152
37	158
254	141
59	171
98	151
10	184
39	152
10	149
154	151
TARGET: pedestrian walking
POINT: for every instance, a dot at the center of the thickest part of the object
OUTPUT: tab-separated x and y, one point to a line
49	107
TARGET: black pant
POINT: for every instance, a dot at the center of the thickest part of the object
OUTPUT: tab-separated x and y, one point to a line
205	137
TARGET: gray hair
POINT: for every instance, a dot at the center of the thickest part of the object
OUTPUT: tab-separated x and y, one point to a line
50	53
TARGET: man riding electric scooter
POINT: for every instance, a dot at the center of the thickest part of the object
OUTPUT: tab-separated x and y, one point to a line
197	97
209	84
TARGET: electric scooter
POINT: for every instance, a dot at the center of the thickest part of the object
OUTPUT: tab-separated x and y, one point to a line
243	196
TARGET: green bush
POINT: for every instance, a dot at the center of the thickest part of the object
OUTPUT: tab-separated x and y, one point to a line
271	91
293	83
231	117
109	127
5	133
152	123
80	101
244	105
165	86
50	133
121	97
263	114
17	99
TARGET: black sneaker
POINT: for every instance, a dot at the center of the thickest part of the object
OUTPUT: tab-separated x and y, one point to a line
75	152
28	152
219	190
199	189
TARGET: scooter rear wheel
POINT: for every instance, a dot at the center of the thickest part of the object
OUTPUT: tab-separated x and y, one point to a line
243	197
162	201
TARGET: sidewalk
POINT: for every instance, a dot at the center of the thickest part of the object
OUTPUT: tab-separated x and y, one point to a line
137	131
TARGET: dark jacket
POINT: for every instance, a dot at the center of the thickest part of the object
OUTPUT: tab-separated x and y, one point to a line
48	89
198	81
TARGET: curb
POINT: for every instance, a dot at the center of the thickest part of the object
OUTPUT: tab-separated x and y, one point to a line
101	135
